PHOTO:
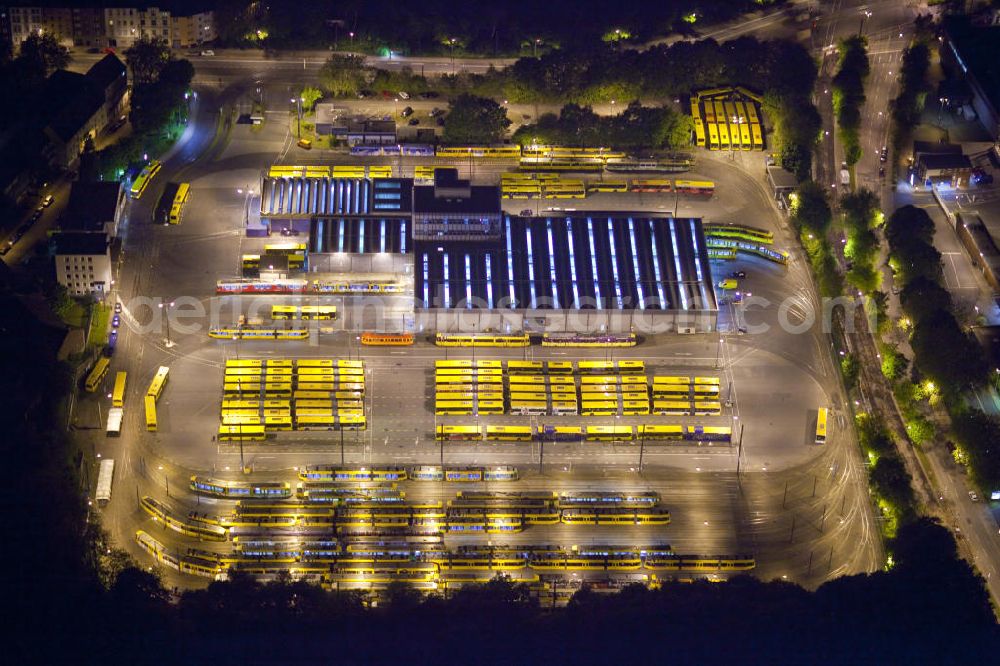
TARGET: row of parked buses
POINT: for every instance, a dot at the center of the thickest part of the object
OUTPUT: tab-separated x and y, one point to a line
302	286
432	516
727	119
373	562
254	333
522	340
391	474
618	433
336	171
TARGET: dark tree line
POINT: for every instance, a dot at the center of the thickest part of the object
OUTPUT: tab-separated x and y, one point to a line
436	26
849	94
943	352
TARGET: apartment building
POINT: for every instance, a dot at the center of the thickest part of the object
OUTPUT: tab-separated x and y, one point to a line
83	263
192	30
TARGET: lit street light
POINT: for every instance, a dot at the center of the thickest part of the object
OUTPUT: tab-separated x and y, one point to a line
166	311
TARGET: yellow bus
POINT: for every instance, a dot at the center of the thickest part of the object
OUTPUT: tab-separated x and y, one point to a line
118	395
608	186
635	407
150	413
97	374
708	381
141	181
597	367
466	364
567	408
459	432
529	407
489	406
494	340
242	433
704	408
599	408
179	200
244	363
669	432
671	407
705	392
599	379
610	433
821	417
453	407
159	381
631	366
509	433
525	367
313	363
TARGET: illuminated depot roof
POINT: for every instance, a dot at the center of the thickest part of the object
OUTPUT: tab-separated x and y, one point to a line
601	261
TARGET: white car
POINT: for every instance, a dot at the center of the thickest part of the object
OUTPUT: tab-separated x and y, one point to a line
973	496
208	52
404	95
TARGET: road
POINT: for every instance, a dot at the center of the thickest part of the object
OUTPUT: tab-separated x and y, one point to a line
939	483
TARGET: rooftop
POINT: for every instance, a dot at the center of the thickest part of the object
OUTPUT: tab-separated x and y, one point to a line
106	71
597	261
450	199
91	205
977	50
945	161
75	243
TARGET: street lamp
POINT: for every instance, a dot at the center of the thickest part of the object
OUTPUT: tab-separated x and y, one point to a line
166	311
534	47
941	102
298	102
865	15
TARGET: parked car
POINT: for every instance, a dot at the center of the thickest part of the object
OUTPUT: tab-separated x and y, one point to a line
305	144
430	94
884	155
413	122
440	121
404	95
47	201
4	250
407	112
36	215
118	307
881	172
981	177
527	212
116	321
386	94
435	112
738	274
208	53
973	496
289	232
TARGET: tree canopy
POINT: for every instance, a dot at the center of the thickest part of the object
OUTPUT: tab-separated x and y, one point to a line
473	119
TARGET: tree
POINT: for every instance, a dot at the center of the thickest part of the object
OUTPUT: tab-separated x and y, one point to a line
344	75
891	482
146	58
473	119
908	225
922	298
41	54
946	354
310	96
811	209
